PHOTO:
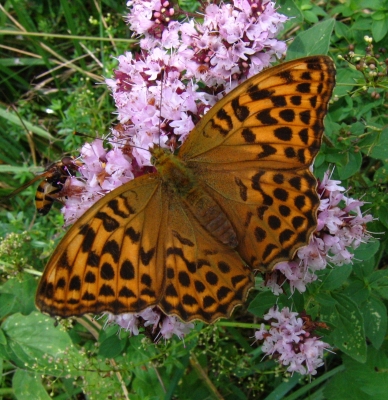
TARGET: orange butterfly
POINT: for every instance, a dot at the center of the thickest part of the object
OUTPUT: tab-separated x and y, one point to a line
239	196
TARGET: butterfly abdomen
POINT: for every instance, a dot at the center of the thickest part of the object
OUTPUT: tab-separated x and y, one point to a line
211	217
182	181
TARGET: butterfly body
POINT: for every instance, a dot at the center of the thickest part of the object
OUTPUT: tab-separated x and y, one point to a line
181	180
239	196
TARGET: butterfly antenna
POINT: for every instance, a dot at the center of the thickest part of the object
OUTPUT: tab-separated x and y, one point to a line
161	100
84	135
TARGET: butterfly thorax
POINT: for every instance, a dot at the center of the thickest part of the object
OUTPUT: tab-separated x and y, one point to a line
181	180
173	171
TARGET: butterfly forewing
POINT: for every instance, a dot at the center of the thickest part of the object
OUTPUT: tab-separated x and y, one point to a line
107	261
205	279
281	98
253	151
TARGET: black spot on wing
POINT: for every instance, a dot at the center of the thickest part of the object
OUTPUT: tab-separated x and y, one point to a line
109	223
248	135
268	150
241	112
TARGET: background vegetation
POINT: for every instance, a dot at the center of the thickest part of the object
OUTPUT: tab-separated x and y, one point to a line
54	56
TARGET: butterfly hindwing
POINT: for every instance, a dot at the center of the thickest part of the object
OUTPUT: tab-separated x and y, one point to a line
273	213
206	279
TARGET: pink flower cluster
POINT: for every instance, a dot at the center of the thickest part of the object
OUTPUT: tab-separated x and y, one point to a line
341	225
102	171
161	325
290	341
158	94
161	93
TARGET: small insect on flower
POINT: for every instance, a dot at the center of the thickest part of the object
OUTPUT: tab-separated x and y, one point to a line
52	183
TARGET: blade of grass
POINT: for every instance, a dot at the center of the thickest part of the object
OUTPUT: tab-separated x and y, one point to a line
12	117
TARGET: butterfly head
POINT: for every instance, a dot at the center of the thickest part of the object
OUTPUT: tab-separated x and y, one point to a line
160	157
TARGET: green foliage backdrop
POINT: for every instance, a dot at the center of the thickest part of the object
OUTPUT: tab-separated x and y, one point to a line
54	57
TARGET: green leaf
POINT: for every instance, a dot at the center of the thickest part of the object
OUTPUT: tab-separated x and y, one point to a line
341	30
17	295
357	129
34	337
371	4
359	381
366	250
335	156
289	8
364	268
27	385
3	339
382	214
380	28
330	279
112	347
352	166
325	300
375	318
283	388
311	17
379	151
262	303
348	335
347	77
14	118
379	282
357	291
303	45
